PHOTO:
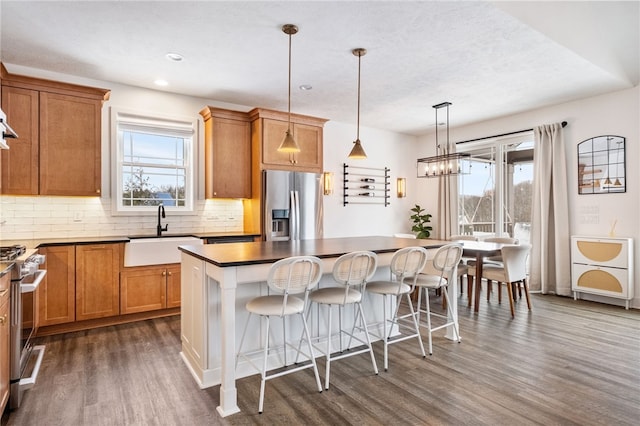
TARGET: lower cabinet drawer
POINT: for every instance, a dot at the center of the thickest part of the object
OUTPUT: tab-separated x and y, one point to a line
605	281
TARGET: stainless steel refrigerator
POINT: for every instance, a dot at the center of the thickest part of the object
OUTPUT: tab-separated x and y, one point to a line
292	205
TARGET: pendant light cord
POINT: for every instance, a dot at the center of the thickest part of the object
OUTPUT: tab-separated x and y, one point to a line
289	108
358	120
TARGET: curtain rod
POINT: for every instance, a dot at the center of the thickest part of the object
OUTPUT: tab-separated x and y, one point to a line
564	124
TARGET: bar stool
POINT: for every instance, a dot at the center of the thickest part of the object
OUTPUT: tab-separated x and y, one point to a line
289	278
406	263
351	271
446	259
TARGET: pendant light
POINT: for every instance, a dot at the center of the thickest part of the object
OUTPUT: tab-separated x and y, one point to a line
288	143
357	153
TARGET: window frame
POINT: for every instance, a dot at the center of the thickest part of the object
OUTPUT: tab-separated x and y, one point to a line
499	147
161	124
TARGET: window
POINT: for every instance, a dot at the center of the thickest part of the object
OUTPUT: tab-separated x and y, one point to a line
154	158
497	194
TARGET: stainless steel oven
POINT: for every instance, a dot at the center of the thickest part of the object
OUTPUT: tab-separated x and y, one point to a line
25	357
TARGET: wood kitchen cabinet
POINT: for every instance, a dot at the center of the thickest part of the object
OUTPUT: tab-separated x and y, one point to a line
268	128
97	280
5	321
70	145
58	150
227	153
20	173
57	291
148	288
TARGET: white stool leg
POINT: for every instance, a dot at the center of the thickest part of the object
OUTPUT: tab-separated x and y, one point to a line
366	334
456	331
385	334
415	323
328	353
428	309
264	368
312	356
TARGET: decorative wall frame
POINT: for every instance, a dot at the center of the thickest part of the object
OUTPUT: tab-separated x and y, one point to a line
602	165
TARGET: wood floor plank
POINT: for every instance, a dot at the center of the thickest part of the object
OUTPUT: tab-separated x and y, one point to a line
564	363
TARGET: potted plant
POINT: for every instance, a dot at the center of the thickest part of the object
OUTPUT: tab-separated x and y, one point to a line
420	222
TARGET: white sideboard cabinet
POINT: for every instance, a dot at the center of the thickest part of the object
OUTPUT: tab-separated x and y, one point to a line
602	266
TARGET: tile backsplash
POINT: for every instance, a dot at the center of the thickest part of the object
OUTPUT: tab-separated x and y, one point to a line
26	218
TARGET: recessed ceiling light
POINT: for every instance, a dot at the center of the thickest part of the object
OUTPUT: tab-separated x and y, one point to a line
306	87
175	57
161	82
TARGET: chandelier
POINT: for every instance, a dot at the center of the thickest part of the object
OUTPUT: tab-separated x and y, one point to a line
445	162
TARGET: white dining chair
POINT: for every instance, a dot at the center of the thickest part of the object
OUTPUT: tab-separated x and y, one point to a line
446	259
351	271
405	266
288	278
495	260
513	273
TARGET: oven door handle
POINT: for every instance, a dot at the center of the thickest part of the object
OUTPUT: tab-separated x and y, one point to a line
28	382
32	286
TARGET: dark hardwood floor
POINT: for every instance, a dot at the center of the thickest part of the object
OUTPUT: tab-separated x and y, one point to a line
565	363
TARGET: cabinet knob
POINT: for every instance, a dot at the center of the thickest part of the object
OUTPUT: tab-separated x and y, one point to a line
3	320
164	273
170	273
97	191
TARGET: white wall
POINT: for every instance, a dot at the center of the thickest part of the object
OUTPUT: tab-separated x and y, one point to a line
611	114
384	149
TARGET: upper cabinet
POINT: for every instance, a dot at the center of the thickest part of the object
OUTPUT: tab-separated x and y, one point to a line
227	153
58	150
268	128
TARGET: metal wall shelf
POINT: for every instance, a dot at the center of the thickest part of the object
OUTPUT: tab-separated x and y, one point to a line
365	185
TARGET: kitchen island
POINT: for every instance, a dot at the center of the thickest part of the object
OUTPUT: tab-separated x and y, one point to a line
217	281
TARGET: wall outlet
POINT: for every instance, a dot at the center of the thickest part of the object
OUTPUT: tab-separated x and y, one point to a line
77	216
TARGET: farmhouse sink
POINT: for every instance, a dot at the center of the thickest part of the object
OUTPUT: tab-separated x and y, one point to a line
155	250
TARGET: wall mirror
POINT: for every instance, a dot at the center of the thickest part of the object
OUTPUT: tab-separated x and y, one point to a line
601	165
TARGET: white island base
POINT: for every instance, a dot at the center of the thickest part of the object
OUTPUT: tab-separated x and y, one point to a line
213	314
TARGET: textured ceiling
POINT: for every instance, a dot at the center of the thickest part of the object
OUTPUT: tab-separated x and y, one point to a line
488	58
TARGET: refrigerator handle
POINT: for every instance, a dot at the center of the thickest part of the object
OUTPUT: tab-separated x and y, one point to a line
295	215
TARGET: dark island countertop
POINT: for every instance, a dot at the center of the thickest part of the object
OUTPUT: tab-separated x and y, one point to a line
241	254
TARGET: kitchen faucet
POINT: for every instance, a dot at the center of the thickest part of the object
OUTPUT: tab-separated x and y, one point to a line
160	228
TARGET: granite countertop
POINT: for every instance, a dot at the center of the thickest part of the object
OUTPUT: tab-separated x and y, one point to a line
240	254
47	242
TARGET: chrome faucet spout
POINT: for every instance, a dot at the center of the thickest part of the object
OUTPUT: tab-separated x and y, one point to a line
160	228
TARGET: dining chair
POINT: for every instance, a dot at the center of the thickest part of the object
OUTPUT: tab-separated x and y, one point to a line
446	259
513	273
405	266
288	278
496	260
351	271
501	240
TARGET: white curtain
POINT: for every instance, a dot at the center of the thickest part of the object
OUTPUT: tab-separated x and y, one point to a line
550	261
447	207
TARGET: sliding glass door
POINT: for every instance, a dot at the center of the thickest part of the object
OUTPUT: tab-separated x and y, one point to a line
495	197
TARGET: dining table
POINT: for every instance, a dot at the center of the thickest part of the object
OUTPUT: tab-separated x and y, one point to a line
479	250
